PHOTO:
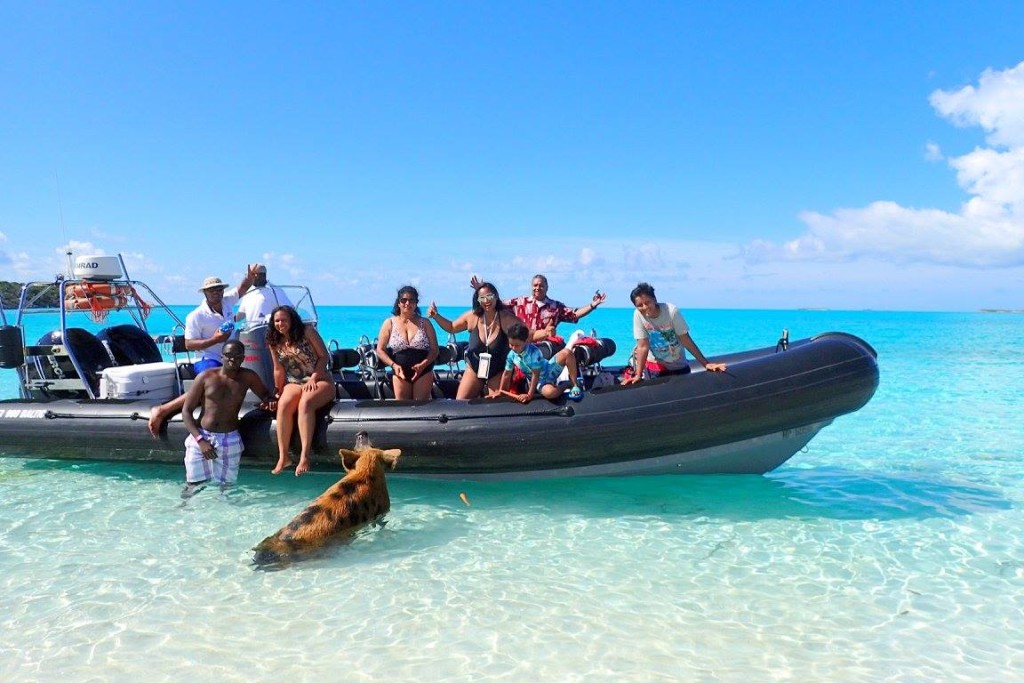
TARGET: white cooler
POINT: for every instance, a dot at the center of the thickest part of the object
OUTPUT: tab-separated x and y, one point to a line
151	381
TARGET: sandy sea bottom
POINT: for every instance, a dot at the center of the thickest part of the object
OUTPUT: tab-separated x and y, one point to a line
815	573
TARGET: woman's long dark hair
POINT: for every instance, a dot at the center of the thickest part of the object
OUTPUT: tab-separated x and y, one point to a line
498	303
296	329
410	290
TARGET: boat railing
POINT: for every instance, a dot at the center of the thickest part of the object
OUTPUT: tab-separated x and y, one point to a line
67	360
114	312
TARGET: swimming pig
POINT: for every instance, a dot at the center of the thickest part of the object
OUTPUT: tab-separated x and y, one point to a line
359	498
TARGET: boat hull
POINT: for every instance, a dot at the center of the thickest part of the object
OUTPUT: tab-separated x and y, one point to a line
748	420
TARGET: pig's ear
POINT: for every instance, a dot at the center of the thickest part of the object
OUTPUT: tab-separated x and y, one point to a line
349	458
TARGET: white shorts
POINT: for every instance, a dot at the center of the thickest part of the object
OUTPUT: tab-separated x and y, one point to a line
224	468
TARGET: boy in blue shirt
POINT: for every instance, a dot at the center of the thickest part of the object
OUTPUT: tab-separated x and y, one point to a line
542	373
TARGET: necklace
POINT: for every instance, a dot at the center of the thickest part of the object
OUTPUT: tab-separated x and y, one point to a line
489	327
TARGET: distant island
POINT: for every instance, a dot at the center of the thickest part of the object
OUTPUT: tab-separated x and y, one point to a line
10	293
1001	310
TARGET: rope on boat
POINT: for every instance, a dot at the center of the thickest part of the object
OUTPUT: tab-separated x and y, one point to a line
443	418
50	415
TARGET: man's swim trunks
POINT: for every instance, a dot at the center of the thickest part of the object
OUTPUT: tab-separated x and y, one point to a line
224	468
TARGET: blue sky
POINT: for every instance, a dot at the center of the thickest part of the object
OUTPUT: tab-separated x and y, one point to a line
736	155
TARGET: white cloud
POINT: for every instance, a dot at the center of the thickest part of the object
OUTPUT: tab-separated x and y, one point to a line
644	257
80	249
988	231
103	235
997	105
138	264
282	267
18	262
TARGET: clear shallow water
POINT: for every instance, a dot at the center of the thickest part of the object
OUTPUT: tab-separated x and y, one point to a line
890	550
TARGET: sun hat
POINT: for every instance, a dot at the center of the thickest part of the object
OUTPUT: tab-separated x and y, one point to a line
213	283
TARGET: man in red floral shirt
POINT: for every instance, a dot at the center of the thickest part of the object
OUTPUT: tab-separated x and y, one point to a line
542	314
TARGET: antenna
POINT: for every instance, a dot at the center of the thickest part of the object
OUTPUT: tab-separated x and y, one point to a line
63	232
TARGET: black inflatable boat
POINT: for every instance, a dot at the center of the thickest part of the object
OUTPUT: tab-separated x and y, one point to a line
88	396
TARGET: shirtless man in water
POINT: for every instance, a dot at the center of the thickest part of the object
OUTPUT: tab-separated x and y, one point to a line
213	449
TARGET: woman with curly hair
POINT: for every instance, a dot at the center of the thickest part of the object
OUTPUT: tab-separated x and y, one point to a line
302	381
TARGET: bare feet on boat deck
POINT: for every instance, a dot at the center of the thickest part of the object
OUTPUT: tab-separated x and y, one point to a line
303	466
282	464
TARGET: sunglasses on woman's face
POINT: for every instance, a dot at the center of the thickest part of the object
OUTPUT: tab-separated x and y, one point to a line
484	298
406	301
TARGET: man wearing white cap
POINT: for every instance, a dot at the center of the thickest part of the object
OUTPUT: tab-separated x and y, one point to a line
211	324
261	299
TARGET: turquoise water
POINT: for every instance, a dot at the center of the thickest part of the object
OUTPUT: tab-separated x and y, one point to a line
891	549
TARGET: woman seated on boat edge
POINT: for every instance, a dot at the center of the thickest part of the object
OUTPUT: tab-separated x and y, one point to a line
302	381
407	343
488	321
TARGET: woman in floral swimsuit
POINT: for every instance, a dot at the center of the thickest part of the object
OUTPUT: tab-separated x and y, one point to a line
407	343
302	381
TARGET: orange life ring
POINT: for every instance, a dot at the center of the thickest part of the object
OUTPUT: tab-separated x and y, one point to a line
98	302
87	289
